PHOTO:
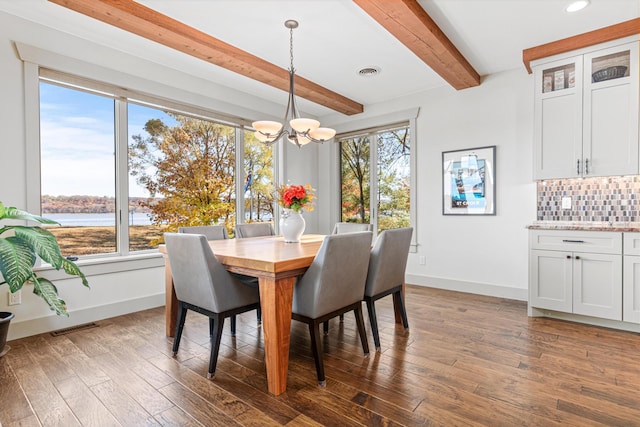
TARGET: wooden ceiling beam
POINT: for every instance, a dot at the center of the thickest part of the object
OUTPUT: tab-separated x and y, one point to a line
150	24
410	24
612	32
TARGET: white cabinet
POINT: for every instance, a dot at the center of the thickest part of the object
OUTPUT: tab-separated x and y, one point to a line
576	272
631	278
586	112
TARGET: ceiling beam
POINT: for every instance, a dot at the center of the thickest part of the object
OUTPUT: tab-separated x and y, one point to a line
407	21
612	32
150	24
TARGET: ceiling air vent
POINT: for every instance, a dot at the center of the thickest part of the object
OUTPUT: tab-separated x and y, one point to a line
369	71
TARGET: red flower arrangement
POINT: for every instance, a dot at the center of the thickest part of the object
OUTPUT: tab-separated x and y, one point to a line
296	197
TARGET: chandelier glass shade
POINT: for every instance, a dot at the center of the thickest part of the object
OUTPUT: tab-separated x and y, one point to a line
301	131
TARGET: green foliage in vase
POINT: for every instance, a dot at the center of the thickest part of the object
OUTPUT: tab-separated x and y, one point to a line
19	246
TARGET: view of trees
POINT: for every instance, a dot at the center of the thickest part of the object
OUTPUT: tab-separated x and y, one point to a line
392	173
189	170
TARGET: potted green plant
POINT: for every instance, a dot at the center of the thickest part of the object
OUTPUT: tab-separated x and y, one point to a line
19	246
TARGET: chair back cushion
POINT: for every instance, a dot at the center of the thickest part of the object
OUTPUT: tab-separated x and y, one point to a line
351	227
211	232
255	229
388	260
200	279
336	277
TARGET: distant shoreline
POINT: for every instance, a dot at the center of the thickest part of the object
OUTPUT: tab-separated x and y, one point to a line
96	219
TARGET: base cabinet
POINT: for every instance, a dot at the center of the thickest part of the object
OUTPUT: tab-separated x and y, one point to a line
631	278
576	272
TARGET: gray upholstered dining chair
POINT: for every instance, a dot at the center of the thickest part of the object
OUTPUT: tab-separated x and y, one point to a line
333	284
350	227
204	285
211	232
347	227
254	229
219	232
386	274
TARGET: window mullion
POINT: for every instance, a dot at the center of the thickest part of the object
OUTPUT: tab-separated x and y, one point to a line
122	176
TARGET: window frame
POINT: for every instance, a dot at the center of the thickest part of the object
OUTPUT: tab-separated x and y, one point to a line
33	75
370	126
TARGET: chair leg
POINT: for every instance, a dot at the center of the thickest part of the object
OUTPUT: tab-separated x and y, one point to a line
182	316
342	317
316	349
399	300
210	327
361	331
215	344
374	322
233	326
259	315
325	327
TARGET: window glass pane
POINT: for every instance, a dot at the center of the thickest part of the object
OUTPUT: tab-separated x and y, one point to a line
394	172
78	169
258	180
143	233
354	182
187	166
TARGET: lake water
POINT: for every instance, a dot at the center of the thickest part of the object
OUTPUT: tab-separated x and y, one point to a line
98	219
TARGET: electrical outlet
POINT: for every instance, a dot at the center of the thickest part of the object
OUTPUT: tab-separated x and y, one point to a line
423	260
15	298
566	202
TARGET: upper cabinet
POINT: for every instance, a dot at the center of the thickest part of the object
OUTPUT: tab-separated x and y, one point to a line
586	112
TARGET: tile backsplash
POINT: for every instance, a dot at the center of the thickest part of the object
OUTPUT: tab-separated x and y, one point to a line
604	199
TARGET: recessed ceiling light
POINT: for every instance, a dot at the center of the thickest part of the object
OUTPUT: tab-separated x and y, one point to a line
577	5
369	71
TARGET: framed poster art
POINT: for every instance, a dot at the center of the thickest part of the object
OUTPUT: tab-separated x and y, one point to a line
468	181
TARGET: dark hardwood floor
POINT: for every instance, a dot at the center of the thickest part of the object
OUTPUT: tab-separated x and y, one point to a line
467	360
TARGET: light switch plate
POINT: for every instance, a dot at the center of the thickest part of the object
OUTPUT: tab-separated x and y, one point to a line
566	202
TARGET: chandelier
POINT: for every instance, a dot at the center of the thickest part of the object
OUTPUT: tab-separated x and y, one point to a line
302	130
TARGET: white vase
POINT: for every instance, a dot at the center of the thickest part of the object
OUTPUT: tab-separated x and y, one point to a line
291	225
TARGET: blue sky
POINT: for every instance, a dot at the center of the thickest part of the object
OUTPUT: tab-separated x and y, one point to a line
77	141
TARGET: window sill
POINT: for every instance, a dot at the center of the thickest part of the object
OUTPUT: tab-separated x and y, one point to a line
106	265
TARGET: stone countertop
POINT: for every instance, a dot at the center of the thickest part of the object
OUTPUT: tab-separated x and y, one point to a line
586	226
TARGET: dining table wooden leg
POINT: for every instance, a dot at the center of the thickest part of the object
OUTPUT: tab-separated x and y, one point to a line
396	307
276	297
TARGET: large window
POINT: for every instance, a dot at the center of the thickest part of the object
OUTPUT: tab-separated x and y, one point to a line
118	172
375	177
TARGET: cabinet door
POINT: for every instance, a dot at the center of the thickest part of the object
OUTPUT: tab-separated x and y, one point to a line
631	289
610	132
558	119
550	280
597	285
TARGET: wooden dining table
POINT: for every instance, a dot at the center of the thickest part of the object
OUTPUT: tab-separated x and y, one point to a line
276	264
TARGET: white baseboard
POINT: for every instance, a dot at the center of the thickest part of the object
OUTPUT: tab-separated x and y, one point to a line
53	323
521	294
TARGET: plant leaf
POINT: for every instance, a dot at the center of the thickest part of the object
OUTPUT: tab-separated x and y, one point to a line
42	242
46	290
14	213
16	261
71	268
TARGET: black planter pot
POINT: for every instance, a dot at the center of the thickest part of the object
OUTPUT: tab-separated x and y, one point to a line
5	319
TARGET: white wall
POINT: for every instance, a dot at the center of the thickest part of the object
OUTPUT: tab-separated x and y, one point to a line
476	254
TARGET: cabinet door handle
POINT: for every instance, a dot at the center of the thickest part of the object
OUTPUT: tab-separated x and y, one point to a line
586	167
577	257
578	167
568	256
572	241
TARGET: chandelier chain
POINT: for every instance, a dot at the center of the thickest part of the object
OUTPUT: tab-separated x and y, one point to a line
291	48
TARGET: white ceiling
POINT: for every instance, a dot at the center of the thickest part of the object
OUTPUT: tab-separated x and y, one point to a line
336	38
